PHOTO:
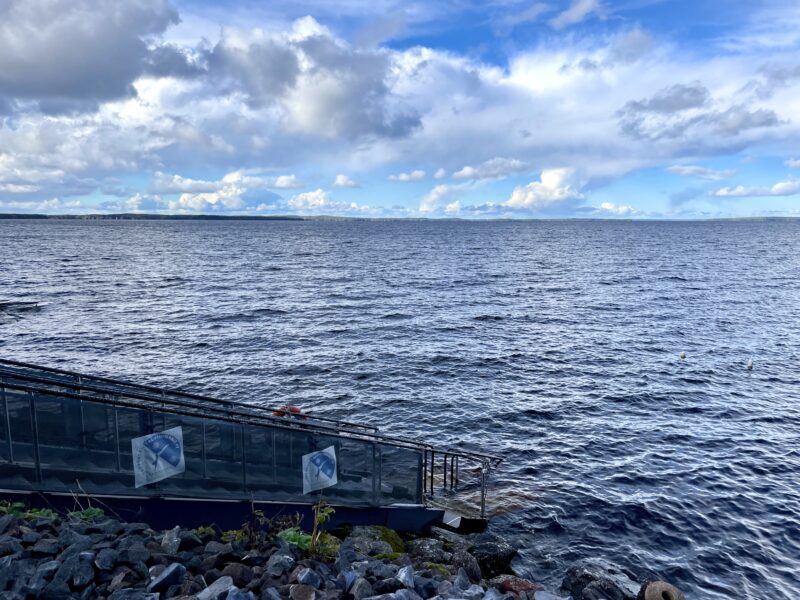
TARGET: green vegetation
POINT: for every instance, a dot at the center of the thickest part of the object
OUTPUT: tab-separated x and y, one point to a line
294	536
235	535
438	567
389	556
205	533
87	514
21	511
390	537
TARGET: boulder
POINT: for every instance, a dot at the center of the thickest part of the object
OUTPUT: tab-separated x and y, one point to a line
236	594
309	577
494	556
133	595
46	547
106	559
217	590
547	596
406	577
428	550
659	590
597	578
171	540
361	589
300	591
515	585
270	593
172	575
465	560
241	574
278	564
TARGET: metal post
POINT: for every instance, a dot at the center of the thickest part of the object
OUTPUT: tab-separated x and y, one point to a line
483	491
456	471
420	479
444	472
274	459
375	475
8	427
35	432
424	472
116	437
205	467
433	462
244	460
452	464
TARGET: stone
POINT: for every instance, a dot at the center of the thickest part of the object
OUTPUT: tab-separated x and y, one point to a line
406	577
106	559
46	547
542	595
473	592
428	550
8	523
83	574
462	581
68	537
659	590
241	574
361	589
601	577
387	586
425	587
172	575
110	527
189	541
309	577
171	540
346	579
300	591
133	595
465	560
123	578
278	564
236	594
133	554
406	595
270	593
494	557
9	546
217	590
214	547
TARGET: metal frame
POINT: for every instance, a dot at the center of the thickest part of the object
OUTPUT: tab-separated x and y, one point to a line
37	380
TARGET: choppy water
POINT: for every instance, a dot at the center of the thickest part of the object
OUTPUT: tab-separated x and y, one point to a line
555	344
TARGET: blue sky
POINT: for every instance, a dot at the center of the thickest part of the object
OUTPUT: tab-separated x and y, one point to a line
554	108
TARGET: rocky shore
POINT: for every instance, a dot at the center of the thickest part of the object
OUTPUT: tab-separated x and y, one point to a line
94	556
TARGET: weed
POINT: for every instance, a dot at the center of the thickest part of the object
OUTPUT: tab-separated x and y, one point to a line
87	514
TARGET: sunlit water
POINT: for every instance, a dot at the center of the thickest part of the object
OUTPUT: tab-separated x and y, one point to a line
554	344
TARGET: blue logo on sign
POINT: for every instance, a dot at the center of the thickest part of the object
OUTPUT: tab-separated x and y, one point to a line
165	446
324	463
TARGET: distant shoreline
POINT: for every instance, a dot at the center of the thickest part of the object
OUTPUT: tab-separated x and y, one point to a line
156	217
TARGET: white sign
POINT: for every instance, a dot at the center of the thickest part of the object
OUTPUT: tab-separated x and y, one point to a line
319	470
158	456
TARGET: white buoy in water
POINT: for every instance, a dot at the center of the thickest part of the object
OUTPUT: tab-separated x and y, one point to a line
683	355
750	364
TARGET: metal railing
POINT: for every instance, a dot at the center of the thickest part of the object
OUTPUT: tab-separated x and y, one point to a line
48	381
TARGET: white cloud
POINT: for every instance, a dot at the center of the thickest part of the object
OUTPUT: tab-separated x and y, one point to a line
285	182
310	200
782	188
453	208
553	188
417	175
493	168
16	188
618	210
578	11
701	172
343	181
236	191
433	200
793	163
440	173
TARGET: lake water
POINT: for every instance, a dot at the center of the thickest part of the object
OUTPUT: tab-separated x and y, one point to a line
554	344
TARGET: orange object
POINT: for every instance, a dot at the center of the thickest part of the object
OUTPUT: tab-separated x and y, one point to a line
286	410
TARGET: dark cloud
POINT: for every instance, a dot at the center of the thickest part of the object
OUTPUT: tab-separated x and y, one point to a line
76	51
672	99
170	61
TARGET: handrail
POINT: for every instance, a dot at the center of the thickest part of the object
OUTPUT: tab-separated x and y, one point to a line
245	413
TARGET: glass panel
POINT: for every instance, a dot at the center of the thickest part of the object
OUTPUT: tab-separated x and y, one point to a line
5	440
224	456
400	475
20	472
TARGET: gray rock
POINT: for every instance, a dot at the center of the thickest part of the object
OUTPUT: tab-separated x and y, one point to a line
387	586
241	574
425	587
494	557
542	595
83	574
134	554
309	577
278	564
473	592
299	591
361	589
171	540
106	559
7	523
659	590
603	580
462	581
9	546
68	537
110	527
406	577
270	593
406	595
129	594
172	575
44	573
217	590
428	550
493	594
346	579
464	560
214	547
445	589
46	547
236	594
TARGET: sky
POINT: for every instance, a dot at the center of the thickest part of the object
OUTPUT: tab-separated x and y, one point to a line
649	109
